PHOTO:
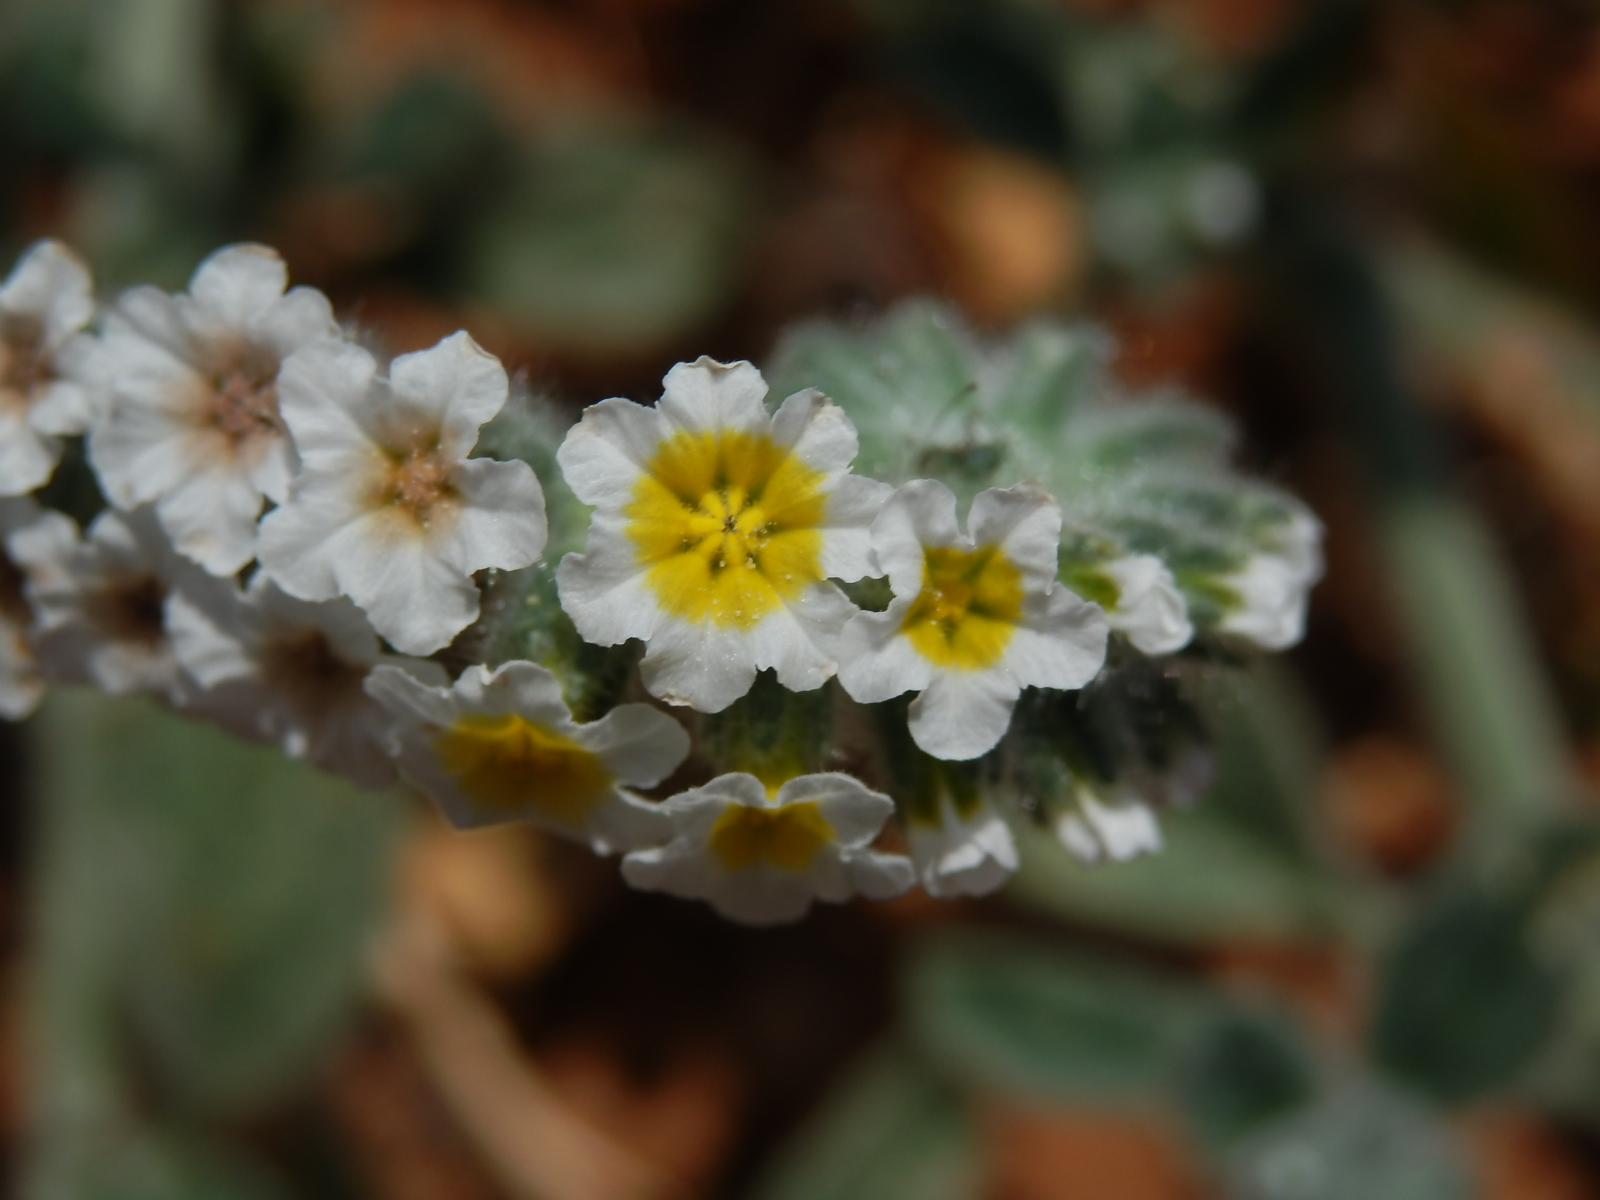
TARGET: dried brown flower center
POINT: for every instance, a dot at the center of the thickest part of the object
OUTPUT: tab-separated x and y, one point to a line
13	603
25	364
131	609
307	668
420	482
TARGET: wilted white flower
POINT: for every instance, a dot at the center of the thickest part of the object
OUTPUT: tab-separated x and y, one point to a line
1114	829
717	528
962	853
192	422
44	304
501	745
100	601
388	509
760	855
21	676
273	668
974	619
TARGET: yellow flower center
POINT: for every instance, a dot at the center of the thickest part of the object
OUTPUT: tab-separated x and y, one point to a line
968	607
787	837
728	525
507	763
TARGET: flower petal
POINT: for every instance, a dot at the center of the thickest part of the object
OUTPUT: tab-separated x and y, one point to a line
963	715
707	394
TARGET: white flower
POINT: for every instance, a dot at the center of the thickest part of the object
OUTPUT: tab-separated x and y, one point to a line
962	855
501	745
289	671
21	676
1269	596
44	303
1114	830
974	619
1149	610
100	601
388	509
718	527
761	855
192	422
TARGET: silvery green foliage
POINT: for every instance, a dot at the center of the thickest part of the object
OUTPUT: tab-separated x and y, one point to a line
1135	473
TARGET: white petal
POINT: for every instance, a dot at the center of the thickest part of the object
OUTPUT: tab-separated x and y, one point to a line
298	543
1060	642
409	698
211	517
518	686
502	521
289	322
605	453
799	640
323	397
704	666
706	394
416	601
878	876
917	515
457	383
207	634
855	811
1025	522
606	592
959	856
876	662
853	504
639	745
1126	829
963	715
27	458
51	284
237	282
1272	609
62	408
817	432
1150	610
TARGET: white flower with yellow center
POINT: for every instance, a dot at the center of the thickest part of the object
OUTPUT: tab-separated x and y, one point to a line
974	620
100	601
44	304
761	854
192	422
718	526
501	745
22	677
273	668
961	853
388	509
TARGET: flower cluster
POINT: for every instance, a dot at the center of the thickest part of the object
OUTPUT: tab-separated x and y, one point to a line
760	677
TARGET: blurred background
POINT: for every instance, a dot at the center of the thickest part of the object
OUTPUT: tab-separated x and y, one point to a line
1366	966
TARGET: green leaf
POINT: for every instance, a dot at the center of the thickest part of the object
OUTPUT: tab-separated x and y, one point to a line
1003	1011
1211	881
613	241
1246	1070
892	1131
1463	1005
221	894
1364	1143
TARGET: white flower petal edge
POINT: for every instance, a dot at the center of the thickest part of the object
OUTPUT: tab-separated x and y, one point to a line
44	304
388	509
762	858
192	421
1111	830
501	745
1150	610
1272	598
717	528
974	620
22	679
268	667
100	600
959	855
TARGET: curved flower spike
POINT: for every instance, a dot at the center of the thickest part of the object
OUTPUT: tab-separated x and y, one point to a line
761	855
501	745
974	619
388	509
192	422
718	527
44	304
